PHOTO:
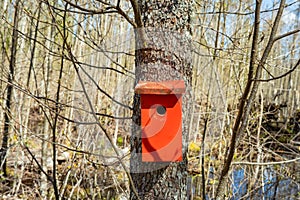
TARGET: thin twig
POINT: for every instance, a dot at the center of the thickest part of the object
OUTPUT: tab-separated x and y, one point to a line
239	119
266	163
281	76
100	125
105	11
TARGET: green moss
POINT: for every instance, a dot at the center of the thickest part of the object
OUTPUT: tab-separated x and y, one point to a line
120	141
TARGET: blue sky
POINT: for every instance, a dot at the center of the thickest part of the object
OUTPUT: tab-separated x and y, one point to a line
290	14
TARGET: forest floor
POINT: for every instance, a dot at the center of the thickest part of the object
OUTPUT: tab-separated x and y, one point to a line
83	175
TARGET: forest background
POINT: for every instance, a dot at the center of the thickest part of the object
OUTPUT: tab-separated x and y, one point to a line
66	92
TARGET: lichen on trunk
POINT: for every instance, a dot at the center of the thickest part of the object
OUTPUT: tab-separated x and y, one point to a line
162	54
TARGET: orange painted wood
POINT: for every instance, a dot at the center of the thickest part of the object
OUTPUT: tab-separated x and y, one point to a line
161	121
163	88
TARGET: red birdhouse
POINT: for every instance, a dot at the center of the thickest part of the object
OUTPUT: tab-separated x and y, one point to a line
161	120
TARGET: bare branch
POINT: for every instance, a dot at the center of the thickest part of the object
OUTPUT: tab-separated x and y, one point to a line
106	10
279	37
281	76
266	163
244	13
273	32
100	125
38	164
137	14
101	11
239	119
122	13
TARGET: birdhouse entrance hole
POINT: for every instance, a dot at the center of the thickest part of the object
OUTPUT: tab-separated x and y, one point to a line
161	110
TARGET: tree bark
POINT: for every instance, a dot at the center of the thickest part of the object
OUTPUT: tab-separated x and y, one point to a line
12	63
162	53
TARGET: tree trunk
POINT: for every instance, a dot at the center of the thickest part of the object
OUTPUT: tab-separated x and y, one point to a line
162	53
12	63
